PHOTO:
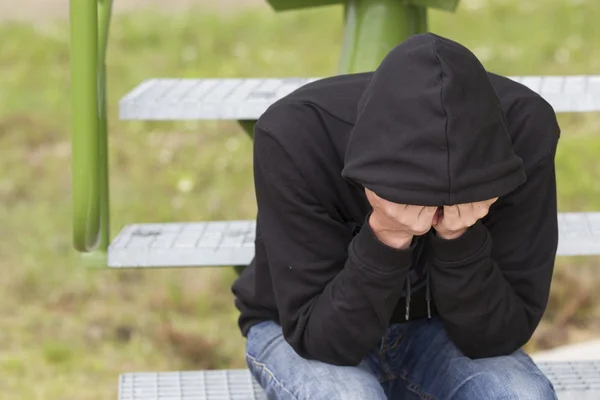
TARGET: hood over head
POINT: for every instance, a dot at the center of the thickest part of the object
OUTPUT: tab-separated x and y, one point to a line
430	129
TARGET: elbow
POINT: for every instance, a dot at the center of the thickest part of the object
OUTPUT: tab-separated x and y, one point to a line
493	336
487	350
324	352
322	345
476	345
342	361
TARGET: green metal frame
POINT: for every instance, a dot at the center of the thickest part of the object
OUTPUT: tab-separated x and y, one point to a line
285	5
372	29
90	20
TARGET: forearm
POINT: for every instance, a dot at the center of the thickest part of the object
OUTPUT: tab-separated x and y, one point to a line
342	324
481	310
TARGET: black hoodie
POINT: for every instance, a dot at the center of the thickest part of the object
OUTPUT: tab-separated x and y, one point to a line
430	127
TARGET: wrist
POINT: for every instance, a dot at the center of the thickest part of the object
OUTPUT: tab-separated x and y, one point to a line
392	238
450	235
399	242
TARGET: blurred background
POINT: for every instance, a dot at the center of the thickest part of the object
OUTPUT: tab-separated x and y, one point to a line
66	332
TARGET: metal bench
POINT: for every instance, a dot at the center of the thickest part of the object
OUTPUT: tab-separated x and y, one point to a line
247	99
572	380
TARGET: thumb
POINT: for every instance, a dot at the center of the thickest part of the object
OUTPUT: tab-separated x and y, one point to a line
437	216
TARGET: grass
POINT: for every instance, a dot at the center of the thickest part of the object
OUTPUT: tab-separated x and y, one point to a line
68	332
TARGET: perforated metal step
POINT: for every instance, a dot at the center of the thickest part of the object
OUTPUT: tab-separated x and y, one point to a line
190	385
183	244
572	381
247	99
577	380
579	234
232	242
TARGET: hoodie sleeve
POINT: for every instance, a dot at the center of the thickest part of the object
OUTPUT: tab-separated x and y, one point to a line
491	285
335	294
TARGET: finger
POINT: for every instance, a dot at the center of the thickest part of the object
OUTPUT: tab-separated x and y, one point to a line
399	211
427	212
480	209
372	197
467	213
411	213
413	209
437	216
427	216
451	211
465	210
417	220
451	219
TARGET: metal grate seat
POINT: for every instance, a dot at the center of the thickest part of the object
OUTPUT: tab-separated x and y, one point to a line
572	381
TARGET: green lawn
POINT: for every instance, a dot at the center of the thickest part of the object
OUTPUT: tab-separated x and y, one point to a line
67	332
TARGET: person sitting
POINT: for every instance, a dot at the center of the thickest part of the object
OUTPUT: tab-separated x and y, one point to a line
406	233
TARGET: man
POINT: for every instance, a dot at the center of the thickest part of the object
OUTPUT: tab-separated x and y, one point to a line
406	237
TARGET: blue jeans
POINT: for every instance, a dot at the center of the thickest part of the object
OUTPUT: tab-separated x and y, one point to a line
415	360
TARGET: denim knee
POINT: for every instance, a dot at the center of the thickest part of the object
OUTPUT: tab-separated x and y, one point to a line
321	386
361	390
284	375
513	386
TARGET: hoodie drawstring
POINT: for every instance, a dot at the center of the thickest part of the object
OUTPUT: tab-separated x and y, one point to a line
428	292
407	298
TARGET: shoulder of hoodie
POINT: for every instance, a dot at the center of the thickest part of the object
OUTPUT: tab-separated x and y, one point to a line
297	123
531	120
336	97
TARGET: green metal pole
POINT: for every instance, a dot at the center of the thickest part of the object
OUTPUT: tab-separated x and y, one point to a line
421	17
90	20
84	86
373	28
104	14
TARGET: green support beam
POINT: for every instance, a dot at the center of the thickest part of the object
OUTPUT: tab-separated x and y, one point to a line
373	28
446	5
285	5
104	14
90	20
84	88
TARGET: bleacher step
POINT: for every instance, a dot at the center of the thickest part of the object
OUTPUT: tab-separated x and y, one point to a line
572	381
247	99
225	243
190	385
194	244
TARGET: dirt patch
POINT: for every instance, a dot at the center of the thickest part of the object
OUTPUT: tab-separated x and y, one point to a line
40	10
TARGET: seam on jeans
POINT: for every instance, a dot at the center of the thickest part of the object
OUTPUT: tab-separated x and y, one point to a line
456	389
396	342
262	349
386	372
271	374
415	388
